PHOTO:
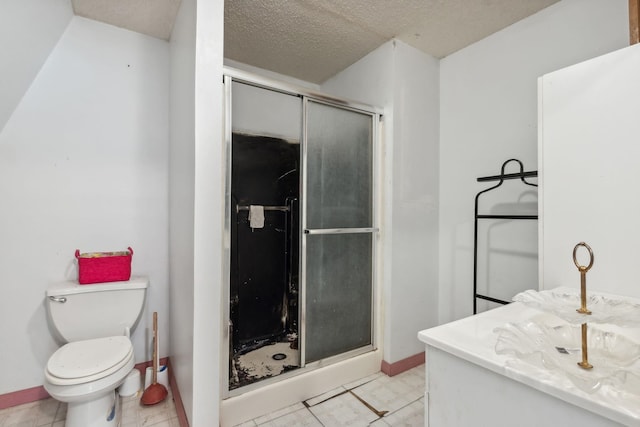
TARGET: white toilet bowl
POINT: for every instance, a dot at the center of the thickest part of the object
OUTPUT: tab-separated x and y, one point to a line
85	374
95	322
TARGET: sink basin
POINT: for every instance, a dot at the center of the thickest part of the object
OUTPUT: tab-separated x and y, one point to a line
563	304
556	347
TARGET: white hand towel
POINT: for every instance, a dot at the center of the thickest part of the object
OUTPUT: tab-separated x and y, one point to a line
256	216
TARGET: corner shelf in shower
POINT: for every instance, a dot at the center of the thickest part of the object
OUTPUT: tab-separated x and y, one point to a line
522	175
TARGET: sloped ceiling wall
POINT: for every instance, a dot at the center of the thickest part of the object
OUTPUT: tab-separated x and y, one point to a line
29	30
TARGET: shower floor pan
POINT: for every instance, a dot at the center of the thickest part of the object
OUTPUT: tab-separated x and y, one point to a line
263	362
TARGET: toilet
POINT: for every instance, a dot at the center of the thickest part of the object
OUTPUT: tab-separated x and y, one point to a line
95	322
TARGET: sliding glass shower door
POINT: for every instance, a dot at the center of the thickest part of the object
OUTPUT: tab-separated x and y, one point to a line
338	223
300	272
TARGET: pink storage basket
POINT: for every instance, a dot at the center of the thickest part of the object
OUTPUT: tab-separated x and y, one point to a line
100	267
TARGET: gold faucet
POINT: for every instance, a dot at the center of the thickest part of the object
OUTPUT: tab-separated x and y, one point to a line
583	301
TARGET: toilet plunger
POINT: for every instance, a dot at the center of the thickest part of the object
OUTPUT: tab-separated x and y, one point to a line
156	392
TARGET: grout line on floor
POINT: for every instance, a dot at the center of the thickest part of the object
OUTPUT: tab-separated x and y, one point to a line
304	402
380	414
361	384
55	416
314	416
408	404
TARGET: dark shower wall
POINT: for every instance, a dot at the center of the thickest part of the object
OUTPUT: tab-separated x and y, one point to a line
264	261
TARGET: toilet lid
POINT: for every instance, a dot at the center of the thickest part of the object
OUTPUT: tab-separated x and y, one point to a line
83	361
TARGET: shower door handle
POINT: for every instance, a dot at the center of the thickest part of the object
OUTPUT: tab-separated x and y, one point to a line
341	230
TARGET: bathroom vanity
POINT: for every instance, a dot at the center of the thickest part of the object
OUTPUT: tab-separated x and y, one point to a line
469	384
587	132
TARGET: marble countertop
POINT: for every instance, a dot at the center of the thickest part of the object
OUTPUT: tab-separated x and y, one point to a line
473	339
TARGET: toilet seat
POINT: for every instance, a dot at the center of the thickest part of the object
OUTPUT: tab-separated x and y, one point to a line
89	360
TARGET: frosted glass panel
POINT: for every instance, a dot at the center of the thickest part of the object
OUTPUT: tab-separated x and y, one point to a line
257	111
339	278
339	168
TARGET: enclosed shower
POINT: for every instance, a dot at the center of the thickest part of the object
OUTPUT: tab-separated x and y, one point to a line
301	229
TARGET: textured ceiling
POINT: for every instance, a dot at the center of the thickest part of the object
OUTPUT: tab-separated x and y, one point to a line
314	39
151	17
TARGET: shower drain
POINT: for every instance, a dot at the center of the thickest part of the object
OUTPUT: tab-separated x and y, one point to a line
279	356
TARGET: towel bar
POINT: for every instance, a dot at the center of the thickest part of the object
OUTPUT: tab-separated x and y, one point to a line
266	208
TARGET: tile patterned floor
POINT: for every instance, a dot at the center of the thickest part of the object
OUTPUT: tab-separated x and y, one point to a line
378	401
51	413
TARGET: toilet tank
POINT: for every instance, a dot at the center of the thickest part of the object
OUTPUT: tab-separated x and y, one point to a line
80	312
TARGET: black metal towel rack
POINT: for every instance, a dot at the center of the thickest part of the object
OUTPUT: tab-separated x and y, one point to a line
522	175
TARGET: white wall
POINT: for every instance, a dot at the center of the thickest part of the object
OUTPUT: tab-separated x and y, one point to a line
181	199
414	281
83	164
488	114
209	324
404	82
197	206
589	155
37	24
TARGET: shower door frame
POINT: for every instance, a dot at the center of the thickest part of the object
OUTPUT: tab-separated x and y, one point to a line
234	75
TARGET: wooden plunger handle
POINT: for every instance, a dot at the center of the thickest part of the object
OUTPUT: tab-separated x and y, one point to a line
155	347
